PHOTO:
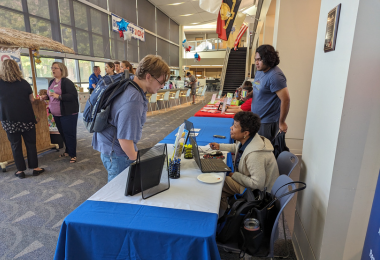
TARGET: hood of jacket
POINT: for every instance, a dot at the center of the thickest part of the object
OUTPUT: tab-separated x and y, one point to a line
258	143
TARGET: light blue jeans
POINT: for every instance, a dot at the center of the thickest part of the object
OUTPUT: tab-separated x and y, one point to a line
114	164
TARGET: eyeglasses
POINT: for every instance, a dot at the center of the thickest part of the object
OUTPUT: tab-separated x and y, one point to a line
158	81
54	68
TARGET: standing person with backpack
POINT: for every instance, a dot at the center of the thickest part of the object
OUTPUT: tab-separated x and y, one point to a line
117	143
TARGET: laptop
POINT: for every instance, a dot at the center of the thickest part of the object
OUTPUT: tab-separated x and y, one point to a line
208	165
190	129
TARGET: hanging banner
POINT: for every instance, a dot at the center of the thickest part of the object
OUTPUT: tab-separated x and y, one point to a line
10	53
137	31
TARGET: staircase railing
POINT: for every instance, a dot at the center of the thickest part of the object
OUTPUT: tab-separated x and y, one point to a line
224	69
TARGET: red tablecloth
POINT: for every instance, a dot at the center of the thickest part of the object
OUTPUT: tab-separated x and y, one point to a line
213	113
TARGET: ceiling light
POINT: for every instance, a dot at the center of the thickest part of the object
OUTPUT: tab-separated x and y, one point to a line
176	3
194	23
186	14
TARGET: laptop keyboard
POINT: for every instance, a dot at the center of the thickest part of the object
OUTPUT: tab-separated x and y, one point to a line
211	165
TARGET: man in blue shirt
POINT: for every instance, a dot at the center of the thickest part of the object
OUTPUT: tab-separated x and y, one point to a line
271	100
118	145
94	78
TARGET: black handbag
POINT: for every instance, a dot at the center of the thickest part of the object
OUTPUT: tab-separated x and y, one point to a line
257	204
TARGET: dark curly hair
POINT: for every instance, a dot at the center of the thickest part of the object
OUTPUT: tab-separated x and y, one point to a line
248	121
248	86
268	55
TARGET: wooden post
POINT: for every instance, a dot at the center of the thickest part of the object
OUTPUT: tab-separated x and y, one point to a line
33	72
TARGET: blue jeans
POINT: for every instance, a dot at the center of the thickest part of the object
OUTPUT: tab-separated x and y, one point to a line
114	164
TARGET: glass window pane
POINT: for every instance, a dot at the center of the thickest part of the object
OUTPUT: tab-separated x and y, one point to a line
26	69
13	20
14	4
96	21
83	42
80	16
85	70
67	36
39	8
64	11
113	48
120	50
44	68
40	26
71	69
97	42
102	66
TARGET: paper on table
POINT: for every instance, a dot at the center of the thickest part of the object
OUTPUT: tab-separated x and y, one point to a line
229	99
224	107
191	134
213	98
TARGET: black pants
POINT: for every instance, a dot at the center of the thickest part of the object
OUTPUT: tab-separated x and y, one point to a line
91	89
269	130
31	149
67	127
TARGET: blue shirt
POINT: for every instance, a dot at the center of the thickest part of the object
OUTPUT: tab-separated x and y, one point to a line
265	101
128	114
93	80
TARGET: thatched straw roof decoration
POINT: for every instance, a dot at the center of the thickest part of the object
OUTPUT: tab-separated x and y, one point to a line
14	38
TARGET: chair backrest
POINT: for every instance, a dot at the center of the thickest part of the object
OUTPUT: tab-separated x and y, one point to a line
166	95
177	94
188	92
281	180
286	162
153	98
200	90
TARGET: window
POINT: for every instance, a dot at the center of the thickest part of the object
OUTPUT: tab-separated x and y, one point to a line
13	4
13	20
26	69
97	42
67	36
40	26
64	11
102	66
85	70
96	21
72	70
80	16
39	8
83	42
44	68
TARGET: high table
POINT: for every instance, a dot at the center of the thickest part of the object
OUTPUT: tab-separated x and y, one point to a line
209	127
179	223
216	114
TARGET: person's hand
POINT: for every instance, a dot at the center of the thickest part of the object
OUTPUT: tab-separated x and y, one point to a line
249	95
214	146
230	174
43	97
283	127
54	95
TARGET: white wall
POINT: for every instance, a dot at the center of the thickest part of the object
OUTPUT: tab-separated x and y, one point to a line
340	150
295	40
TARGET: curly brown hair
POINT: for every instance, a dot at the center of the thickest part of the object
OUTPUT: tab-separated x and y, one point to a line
11	71
269	55
155	66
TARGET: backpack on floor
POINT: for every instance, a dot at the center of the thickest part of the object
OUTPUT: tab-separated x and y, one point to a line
98	106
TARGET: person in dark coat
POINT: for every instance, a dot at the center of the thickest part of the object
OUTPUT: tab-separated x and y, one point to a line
64	106
17	117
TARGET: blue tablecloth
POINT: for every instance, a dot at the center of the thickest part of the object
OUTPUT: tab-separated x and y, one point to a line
209	126
106	230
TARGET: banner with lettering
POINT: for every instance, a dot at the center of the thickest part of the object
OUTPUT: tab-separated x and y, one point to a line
137	31
10	54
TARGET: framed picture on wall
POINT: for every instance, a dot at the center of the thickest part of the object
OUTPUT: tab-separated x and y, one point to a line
332	28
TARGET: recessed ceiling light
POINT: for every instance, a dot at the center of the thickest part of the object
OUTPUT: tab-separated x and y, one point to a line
186	14
176	3
194	23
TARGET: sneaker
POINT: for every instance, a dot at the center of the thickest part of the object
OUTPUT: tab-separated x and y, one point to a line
20	175
36	173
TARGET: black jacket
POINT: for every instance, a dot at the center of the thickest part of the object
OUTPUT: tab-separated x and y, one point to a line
279	144
69	103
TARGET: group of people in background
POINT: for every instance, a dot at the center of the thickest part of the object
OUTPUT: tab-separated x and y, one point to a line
111	68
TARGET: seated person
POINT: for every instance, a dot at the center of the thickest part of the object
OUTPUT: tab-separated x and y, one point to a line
255	165
246	106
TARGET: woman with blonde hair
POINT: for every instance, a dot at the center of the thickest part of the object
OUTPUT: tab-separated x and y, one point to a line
17	117
110	68
64	107
125	65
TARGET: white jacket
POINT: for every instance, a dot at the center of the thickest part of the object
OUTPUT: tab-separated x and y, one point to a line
257	167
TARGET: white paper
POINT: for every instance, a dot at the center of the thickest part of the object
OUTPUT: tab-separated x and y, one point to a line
224	107
213	99
229	100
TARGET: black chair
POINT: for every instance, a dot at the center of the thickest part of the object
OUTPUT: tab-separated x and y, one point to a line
269	252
